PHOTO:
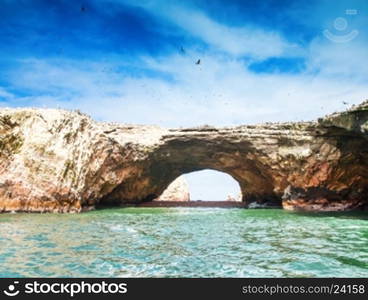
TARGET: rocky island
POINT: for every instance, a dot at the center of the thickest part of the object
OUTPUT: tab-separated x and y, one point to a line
63	161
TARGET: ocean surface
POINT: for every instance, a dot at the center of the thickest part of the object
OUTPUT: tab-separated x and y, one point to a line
184	242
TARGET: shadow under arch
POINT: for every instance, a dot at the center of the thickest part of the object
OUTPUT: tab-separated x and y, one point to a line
148	179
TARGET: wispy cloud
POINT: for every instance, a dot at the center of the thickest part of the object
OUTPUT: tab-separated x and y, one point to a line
5	95
247	40
221	91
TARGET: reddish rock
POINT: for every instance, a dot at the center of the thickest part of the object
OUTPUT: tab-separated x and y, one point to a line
61	161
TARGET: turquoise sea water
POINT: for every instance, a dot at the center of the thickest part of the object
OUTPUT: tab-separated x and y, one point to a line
184	242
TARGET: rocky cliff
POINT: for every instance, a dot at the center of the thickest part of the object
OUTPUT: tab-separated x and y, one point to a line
62	161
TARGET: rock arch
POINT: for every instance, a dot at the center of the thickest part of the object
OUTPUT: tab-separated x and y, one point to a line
55	160
180	155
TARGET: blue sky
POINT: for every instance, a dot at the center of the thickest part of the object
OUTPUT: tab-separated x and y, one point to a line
134	61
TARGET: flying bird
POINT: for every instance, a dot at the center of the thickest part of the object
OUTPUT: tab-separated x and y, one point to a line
182	50
345	103
83	9
198	62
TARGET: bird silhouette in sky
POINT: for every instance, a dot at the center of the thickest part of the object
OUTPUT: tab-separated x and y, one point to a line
345	103
83	8
198	62
182	50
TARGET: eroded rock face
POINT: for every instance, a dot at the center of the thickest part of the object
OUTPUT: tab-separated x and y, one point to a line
61	161
319	199
178	190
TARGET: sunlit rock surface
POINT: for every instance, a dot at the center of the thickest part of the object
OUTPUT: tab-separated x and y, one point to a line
62	161
178	190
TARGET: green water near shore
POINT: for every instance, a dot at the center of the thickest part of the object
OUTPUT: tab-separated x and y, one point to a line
184	242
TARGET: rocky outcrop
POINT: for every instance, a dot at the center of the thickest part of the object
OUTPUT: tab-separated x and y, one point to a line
62	161
319	199
237	198
178	190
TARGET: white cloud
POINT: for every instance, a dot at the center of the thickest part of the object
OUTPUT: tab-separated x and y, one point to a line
238	41
221	91
5	95
250	41
341	60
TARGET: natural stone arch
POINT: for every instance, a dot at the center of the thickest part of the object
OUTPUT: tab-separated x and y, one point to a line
55	160
180	155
